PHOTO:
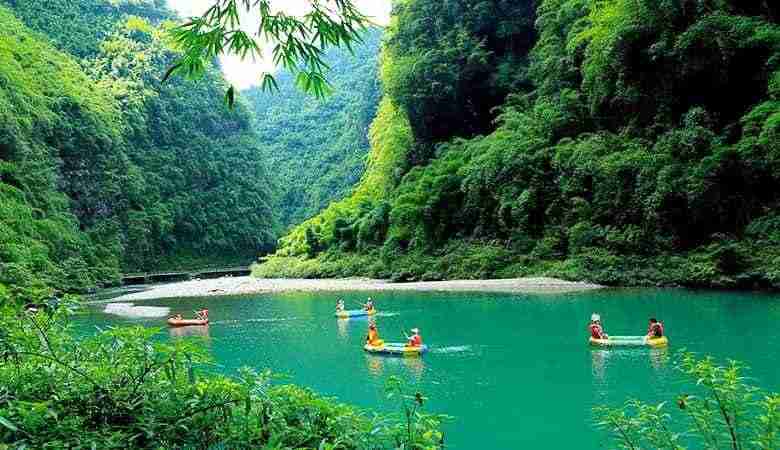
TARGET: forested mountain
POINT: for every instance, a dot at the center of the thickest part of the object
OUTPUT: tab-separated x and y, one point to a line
105	168
622	141
316	148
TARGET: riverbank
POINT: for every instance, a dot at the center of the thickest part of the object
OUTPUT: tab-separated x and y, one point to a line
250	285
717	267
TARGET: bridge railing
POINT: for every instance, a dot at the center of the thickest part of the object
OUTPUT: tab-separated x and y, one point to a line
145	277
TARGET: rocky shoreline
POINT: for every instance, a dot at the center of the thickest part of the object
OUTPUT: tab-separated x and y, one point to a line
230	286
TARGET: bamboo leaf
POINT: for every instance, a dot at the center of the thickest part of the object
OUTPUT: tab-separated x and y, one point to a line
8	424
170	72
230	97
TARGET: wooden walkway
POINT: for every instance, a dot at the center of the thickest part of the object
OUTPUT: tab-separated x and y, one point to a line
163	277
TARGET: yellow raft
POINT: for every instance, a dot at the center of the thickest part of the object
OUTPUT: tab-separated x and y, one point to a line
346	314
396	349
630	341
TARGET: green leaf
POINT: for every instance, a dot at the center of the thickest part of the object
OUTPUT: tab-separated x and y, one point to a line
269	83
170	72
8	424
230	97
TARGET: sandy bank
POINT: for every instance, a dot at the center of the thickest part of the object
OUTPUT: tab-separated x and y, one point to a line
250	285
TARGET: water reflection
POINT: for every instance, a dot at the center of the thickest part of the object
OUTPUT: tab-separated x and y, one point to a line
195	331
343	326
415	365
601	359
659	357
598	363
375	365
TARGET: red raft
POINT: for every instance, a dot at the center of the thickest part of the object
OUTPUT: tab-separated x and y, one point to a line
187	322
202	320
178	322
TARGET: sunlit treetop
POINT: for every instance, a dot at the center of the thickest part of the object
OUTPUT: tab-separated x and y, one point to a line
298	42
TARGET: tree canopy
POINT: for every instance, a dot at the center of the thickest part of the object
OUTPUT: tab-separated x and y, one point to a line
317	147
621	141
106	169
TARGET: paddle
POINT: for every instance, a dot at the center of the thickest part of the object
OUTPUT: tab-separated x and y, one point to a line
358	304
403	332
355	303
361	306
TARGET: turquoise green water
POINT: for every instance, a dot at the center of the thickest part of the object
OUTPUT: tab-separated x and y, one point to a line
512	370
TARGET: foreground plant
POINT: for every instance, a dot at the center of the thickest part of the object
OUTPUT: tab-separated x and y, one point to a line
123	389
724	413
416	427
298	42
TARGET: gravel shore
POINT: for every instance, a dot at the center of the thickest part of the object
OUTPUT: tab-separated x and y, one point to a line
250	285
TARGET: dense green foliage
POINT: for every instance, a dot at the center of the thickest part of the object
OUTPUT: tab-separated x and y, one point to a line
449	65
203	186
316	148
720	410
79	26
104	168
52	124
122	389
636	143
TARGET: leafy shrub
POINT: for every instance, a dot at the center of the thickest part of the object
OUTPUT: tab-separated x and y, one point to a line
584	235
402	277
121	388
721	410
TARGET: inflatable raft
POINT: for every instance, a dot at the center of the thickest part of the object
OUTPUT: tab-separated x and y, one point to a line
187	322
630	341
396	349
355	313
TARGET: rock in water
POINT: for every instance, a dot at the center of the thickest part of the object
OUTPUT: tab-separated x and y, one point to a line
131	311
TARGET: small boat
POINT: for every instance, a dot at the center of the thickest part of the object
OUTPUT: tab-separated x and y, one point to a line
630	341
396	349
187	322
346	314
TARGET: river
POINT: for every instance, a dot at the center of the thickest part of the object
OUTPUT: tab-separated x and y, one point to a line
513	371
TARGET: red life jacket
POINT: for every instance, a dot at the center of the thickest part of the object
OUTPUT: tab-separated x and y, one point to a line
655	329
415	341
596	332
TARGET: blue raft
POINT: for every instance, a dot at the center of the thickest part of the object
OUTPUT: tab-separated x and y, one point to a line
346	314
396	349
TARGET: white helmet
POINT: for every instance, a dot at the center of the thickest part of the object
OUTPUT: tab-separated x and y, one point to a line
595	317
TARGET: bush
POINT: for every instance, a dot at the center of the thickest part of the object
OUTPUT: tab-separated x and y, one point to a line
123	389
404	276
719	411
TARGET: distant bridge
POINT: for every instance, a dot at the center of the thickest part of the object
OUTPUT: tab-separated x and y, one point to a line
184	275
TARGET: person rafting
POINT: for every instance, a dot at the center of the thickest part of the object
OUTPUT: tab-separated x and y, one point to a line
595	327
415	340
340	306
655	329
203	314
372	338
369	306
177	317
